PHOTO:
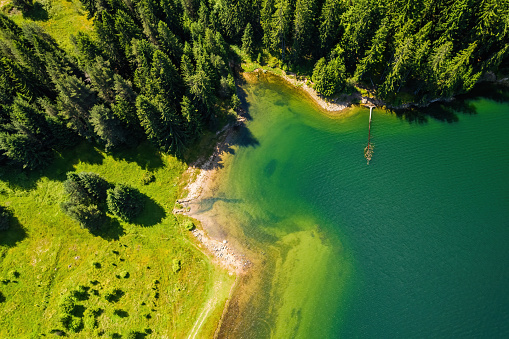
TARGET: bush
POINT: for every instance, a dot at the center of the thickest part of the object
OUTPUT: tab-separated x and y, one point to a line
89	320
13	274
5	218
188	225
23	5
80	293
124	202
177	265
65	320
76	324
148	177
67	305
113	295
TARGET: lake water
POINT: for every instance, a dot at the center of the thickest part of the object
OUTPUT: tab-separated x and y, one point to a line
415	244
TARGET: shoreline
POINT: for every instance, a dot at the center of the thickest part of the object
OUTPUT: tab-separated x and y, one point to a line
223	254
345	101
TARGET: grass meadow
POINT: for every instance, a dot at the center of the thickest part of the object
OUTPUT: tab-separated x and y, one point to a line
130	280
59	18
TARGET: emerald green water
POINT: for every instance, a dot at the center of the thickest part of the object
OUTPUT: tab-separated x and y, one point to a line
416	244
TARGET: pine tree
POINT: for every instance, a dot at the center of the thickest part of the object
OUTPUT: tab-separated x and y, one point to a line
281	26
169	43
107	127
247	41
304	29
101	78
24	150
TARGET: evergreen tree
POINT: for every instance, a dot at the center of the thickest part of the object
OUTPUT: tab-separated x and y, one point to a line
169	43
107	127
304	29
281	26
24	150
124	202
247	41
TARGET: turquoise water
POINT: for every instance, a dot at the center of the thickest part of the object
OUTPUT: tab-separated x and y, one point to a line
415	244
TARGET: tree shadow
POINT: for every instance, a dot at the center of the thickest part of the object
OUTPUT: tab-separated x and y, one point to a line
109	230
241	93
36	13
450	110
14	234
78	311
244	137
22	179
151	214
121	313
144	154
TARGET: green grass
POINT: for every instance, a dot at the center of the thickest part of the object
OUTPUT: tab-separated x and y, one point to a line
59	18
53	255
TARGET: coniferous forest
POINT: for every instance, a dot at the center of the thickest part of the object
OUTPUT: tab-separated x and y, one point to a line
163	70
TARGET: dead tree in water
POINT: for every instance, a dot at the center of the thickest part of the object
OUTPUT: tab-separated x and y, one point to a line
368	150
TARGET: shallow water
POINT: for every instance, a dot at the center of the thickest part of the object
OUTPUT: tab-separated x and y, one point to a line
413	245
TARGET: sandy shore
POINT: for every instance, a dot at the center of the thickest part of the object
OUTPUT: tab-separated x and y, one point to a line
332	105
205	169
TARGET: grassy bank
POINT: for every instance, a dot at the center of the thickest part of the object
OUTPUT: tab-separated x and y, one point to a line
45	256
59	18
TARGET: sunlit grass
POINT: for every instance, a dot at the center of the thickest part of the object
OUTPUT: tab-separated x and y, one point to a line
53	254
59	18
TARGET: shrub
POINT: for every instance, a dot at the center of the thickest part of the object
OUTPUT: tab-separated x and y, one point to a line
76	324
89	320
124	274
259	59
113	295
188	225
23	5
124	202
65	320
5	218
148	177
13	274
177	265
67	305
132	335
80	293
2	298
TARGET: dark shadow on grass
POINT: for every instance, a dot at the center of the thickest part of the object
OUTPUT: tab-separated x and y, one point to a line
78	311
109	230
14	234
21	179
36	13
121	313
151	214
144	154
